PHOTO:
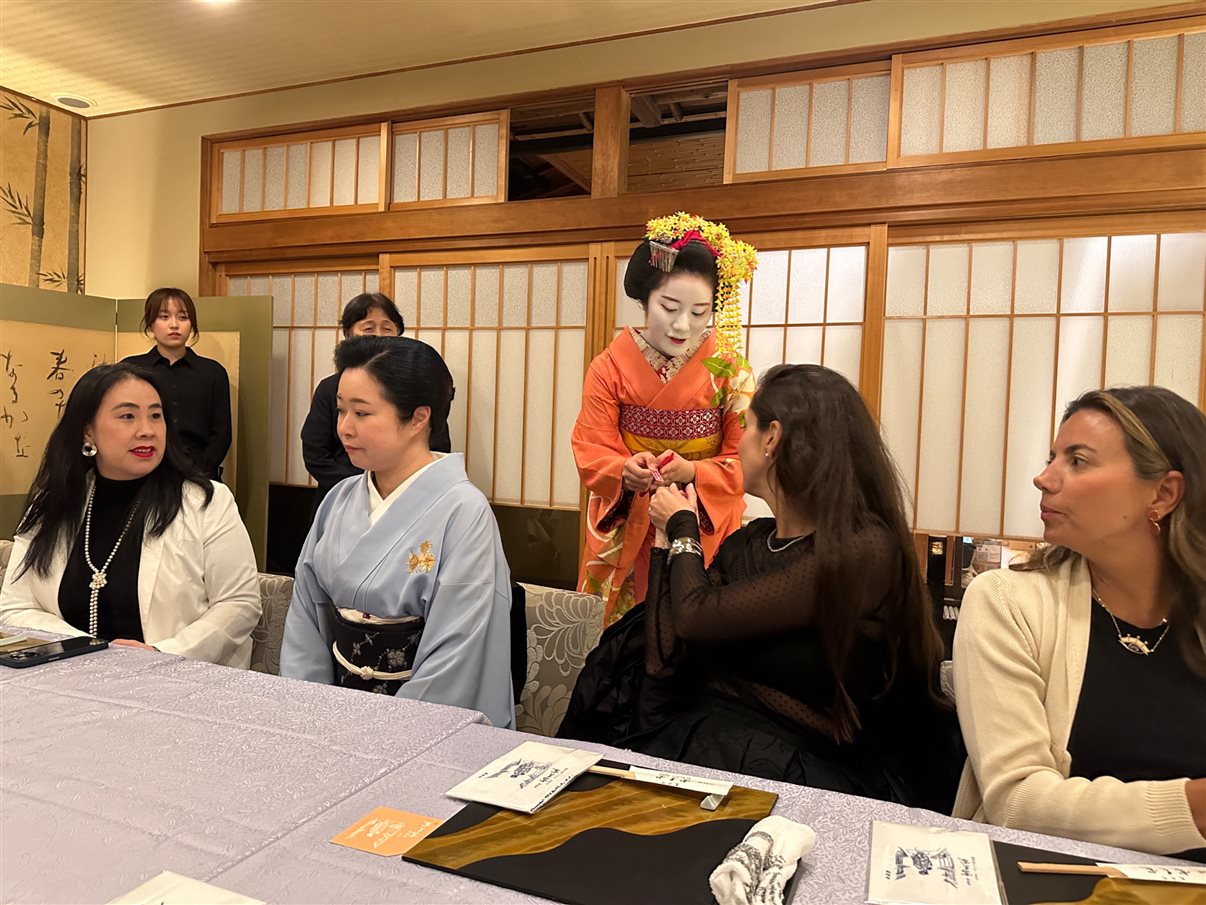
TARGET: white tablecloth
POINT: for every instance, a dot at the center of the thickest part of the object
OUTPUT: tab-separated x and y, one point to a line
118	765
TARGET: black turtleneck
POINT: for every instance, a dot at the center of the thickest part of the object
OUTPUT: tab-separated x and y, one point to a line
117	606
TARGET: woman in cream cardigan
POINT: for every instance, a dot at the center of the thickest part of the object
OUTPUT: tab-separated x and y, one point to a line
121	540
1081	675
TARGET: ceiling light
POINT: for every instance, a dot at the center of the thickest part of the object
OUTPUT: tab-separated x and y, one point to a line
73	101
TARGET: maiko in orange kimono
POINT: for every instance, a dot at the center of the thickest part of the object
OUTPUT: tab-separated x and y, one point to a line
628	406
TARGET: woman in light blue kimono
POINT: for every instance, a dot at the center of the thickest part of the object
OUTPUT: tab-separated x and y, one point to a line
402	587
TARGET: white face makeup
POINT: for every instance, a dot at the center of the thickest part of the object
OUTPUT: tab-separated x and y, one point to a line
678	313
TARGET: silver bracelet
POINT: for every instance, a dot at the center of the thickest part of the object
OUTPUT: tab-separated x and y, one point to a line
684	545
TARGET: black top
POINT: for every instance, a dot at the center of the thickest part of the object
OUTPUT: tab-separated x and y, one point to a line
198	393
1138	718
118	615
326	459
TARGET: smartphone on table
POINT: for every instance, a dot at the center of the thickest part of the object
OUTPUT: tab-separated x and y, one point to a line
50	651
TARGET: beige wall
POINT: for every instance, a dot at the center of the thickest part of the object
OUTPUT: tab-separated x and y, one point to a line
144	168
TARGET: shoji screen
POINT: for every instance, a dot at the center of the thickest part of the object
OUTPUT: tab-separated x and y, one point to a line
333	171
513	333
803	306
305	330
1118	85
458	160
986	342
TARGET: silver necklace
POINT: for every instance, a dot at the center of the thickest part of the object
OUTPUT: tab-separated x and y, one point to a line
100	577
794	540
1133	643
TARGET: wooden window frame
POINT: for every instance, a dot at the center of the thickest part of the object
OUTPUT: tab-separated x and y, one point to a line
444	124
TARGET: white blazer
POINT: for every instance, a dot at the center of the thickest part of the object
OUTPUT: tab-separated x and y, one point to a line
197	587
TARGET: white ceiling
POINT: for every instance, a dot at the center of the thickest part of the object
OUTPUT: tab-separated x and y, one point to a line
132	54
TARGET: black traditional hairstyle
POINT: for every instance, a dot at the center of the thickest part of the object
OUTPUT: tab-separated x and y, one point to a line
642	279
56	500
359	307
410	373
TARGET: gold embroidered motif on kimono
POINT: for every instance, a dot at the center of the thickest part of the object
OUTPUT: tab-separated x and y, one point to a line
422	561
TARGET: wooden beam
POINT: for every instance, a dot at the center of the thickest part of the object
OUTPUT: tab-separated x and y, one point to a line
647	112
1017	189
609	167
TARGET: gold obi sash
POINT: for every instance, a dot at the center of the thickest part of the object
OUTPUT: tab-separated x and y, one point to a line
692	433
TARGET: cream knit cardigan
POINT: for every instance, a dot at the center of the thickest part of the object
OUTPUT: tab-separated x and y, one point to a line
1020	652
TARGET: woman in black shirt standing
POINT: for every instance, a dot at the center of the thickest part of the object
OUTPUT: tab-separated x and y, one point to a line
197	389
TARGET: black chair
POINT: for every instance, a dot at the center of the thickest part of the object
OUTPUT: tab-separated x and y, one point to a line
519	638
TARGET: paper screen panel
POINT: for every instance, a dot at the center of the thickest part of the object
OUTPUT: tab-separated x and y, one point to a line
1082	285
1182	272
274	178
921	117
1179	354
539	436
941	418
329	301
320	174
486	295
1080	345
804	345
351	284
406	294
508	464
1153	85
344	179
991	289
830	113
769	289
460	163
232	175
458	296
456	356
1103	97
371	279
1055	81
1128	351
300	364
325	341
297	180
368	168
946	285
984	426
1009	101
901	396
790	140
843	350
574	277
1036	284
764	348
544	295
806	289
253	179
869	119
431	297
278	405
963	118
515	295
568	383
1031	377
1132	273
1193	84
406	166
479	445
753	131
847	284
431	165
485	160
906	281
628	312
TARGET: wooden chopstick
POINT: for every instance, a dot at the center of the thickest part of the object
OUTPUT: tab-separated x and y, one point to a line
1093	870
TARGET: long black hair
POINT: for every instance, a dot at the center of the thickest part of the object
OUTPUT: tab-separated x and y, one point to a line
832	463
642	279
56	500
409	372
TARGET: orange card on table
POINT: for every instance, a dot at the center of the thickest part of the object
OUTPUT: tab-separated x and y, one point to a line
387	831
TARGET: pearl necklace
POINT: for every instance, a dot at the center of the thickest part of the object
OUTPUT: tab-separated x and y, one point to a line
100	576
1133	643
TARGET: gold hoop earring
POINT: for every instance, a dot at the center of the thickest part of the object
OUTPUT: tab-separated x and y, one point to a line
1153	519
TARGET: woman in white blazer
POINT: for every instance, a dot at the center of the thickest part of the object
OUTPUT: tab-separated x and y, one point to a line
121	539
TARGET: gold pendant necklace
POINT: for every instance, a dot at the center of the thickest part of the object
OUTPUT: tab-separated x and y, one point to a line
1133	643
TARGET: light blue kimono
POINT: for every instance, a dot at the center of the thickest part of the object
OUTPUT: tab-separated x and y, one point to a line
460	585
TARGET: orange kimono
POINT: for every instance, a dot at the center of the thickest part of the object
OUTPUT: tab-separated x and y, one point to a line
636	400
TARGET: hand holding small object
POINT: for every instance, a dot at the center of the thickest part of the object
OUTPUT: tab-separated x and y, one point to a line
674	469
668	500
638	475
